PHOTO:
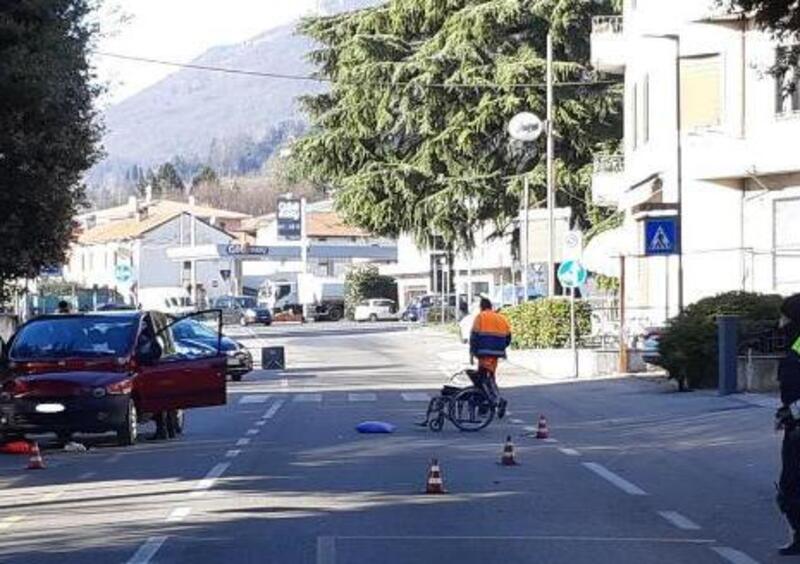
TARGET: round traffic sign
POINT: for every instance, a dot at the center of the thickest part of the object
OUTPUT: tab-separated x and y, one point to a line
572	274
123	273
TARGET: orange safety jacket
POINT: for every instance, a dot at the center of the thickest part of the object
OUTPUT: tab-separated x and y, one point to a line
491	335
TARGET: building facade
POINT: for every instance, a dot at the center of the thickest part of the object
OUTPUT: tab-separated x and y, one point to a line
709	138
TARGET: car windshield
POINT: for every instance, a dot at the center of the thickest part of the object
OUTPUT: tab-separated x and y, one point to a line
246	302
71	337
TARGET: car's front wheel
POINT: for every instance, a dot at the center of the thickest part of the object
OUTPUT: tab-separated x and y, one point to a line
127	434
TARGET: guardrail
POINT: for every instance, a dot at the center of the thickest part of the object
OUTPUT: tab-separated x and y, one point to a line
607	24
609	164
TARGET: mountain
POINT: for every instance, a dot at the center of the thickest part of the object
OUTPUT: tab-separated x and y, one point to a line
201	116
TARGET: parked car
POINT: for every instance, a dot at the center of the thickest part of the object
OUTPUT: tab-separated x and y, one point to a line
243	310
102	372
649	344
192	334
376	310
419	308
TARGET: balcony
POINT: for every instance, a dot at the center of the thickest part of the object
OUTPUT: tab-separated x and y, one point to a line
608	46
608	179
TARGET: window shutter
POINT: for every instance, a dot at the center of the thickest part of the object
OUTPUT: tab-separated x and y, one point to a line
701	91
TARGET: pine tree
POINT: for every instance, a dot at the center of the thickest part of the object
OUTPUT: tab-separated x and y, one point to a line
413	130
49	130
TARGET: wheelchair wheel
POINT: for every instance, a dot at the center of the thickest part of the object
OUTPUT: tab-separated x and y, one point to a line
436	424
471	410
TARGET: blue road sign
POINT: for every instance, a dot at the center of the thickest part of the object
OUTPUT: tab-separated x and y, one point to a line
572	274
123	273
661	236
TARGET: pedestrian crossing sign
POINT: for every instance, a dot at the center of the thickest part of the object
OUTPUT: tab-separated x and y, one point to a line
661	236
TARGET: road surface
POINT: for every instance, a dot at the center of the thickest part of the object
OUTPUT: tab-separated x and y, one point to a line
633	473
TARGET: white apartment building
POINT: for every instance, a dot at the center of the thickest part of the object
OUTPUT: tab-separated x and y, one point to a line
740	170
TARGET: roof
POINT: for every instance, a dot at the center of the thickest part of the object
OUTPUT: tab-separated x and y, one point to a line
124	229
330	224
159	207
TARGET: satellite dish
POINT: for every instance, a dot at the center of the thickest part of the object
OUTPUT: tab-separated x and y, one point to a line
525	127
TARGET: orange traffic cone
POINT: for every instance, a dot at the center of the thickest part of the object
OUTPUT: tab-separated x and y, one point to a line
35	462
508	458
542	432
435	484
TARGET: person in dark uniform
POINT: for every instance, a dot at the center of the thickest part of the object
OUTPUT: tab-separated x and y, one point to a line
788	497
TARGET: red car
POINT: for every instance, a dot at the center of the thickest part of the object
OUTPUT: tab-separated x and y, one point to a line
102	372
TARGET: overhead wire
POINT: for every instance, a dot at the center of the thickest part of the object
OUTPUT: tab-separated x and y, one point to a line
320	79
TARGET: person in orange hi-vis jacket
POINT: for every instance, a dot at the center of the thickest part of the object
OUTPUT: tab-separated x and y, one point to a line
490	337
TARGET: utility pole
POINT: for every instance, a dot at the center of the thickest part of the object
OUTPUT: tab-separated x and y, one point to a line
551	198
526	233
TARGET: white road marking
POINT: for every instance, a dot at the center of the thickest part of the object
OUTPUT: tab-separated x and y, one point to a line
9	521
178	514
284	382
233	453
261	423
415	396
618	481
147	550
243	442
259	398
87	475
253	431
210	479
564	538
569	451
308	398
273	409
733	556
362	397
550	440
516	421
326	550
52	496
679	520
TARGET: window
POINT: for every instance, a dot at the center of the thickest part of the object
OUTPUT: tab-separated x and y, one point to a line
646	109
701	91
787	88
635	116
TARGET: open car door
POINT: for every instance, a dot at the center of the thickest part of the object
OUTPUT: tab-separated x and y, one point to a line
188	372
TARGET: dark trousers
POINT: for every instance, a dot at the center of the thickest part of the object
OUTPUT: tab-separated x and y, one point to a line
486	381
789	484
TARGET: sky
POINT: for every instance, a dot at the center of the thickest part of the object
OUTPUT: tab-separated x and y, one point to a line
179	31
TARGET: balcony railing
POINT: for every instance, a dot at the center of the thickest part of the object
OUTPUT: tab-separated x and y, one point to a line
609	164
607	24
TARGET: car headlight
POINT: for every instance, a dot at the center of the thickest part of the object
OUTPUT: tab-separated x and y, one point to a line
231	353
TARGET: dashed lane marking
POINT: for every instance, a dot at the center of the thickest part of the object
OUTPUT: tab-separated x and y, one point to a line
8	522
261	423
273	409
252	432
415	396
316	398
233	453
147	550
733	556
257	398
618	481
243	442
178	514
210	479
569	451
679	520
362	397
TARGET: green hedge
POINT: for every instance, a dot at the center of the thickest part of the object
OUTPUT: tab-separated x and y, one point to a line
544	324
688	347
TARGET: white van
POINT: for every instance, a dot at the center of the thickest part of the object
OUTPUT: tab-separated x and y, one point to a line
171	300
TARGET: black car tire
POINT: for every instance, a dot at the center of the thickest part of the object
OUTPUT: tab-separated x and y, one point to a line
127	434
236	377
373	318
336	314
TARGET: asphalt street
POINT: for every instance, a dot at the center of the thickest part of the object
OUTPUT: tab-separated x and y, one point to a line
634	472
